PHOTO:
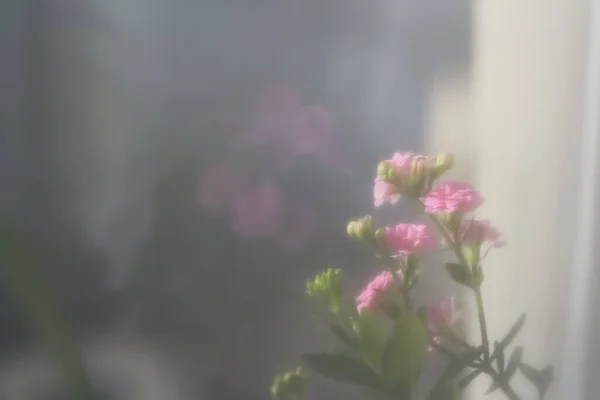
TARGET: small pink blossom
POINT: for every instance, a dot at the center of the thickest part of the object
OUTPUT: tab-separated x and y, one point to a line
370	298
220	186
475	232
442	315
404	239
452	197
256	213
385	192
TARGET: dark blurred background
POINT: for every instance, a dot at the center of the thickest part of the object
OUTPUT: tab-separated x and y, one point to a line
181	167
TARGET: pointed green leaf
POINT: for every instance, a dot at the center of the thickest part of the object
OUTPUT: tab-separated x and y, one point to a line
342	335
460	273
371	339
344	369
530	373
513	331
464	382
456	366
405	350
514	360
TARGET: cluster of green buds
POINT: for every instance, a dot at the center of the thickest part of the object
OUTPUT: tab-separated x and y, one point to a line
412	176
289	386
327	287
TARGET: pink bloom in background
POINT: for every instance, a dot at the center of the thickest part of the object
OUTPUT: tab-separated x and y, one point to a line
442	315
280	120
385	192
256	213
370	298
312	133
221	185
475	232
407	239
452	197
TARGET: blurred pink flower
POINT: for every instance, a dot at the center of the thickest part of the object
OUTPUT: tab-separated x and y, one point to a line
370	298
442	315
452	197
385	192
403	162
220	185
256	213
312	132
475	232
280	120
404	239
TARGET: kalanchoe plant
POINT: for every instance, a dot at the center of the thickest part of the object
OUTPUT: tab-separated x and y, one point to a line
386	337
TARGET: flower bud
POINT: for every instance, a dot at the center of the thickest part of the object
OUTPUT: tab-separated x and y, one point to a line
443	163
386	171
289	386
420	177
361	229
327	287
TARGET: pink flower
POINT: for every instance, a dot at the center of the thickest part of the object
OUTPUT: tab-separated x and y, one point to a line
370	298
442	315
256	213
385	192
407	239
452	197
475	232
221	185
311	132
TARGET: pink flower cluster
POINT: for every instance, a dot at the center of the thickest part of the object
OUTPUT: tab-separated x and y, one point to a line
280	128
451	197
371	297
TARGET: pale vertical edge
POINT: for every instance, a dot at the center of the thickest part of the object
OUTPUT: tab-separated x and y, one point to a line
571	384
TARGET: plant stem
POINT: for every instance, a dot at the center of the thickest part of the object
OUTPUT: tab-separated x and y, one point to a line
482	323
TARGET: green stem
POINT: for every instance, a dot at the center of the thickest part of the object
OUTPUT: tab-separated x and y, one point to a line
482	323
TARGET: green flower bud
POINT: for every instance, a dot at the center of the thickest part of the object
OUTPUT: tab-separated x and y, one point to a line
289	386
327	287
361	229
443	163
386	171
420	177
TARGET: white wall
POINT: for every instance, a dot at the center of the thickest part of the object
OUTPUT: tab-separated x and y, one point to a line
515	121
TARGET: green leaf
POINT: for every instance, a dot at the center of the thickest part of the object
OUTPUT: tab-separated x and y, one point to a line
342	335
513	331
405	350
464	382
371	339
345	369
540	379
40	304
449	391
509	337
391	310
514	360
460	273
456	366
